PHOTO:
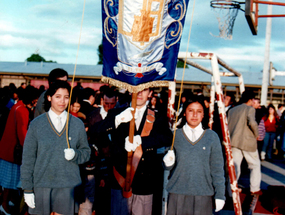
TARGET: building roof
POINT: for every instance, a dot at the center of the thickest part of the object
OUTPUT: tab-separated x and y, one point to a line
192	75
44	68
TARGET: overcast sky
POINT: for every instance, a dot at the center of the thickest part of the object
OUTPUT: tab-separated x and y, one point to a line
51	28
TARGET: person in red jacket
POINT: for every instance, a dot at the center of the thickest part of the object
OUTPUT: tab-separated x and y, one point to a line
271	120
15	131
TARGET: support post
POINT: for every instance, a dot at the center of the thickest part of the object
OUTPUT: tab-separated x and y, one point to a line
170	104
265	77
226	136
212	104
127	191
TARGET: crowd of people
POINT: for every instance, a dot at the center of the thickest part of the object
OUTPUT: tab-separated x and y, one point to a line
75	162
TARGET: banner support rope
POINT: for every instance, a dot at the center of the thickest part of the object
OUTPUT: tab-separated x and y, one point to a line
181	86
73	76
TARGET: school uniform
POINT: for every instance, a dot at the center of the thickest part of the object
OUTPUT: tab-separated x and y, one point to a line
45	171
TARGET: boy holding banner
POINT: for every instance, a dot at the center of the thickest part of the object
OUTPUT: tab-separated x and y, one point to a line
151	132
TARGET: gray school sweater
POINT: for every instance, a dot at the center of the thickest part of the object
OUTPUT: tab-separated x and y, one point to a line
198	169
43	163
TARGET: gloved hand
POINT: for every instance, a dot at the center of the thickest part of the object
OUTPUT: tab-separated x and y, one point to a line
124	116
219	204
169	158
132	146
69	154
30	199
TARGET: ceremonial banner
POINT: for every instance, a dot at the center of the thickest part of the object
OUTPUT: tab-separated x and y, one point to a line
141	41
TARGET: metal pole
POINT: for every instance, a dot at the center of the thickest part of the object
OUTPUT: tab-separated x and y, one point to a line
212	104
170	104
226	135
265	77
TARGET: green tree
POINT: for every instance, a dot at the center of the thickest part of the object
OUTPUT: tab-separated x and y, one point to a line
180	64
38	58
100	53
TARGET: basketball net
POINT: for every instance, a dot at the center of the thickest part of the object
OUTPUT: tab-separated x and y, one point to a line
226	13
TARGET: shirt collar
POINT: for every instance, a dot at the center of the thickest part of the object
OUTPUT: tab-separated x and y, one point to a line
198	130
86	100
142	110
53	116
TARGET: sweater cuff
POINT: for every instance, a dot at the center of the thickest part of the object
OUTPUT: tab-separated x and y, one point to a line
28	191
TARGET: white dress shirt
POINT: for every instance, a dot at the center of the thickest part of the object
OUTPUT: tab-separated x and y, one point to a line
188	131
103	113
53	116
140	113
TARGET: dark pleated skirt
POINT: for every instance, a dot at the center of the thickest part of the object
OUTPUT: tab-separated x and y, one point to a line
189	205
59	200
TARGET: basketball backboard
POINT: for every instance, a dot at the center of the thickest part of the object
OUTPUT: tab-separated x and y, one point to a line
251	14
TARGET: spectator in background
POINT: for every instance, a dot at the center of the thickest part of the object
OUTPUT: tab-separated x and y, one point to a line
98	99
55	74
205	121
229	101
154	103
23	85
88	99
271	121
15	132
279	110
259	113
5	96
14	96
74	105
124	98
41	89
31	107
282	134
77	89
93	177
243	131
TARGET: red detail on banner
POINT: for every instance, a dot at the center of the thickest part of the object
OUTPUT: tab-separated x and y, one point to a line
139	65
139	75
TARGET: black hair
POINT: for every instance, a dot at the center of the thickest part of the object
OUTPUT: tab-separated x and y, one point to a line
267	112
55	74
280	105
190	100
232	95
28	95
74	99
87	92
110	93
246	96
52	90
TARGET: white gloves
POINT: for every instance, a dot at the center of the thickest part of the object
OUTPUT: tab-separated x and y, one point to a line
69	154
30	199
137	140
219	204
124	116
169	158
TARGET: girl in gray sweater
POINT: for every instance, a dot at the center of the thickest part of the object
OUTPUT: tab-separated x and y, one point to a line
197	166
50	171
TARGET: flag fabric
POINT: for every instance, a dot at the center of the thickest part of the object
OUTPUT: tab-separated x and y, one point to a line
141	41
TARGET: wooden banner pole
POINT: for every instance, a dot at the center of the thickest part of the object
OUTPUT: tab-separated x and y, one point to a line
127	191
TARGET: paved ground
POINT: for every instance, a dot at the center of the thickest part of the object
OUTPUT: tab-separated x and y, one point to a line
273	173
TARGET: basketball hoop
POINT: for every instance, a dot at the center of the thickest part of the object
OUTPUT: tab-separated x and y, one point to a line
226	12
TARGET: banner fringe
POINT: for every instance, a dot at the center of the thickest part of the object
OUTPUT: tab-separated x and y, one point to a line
131	88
